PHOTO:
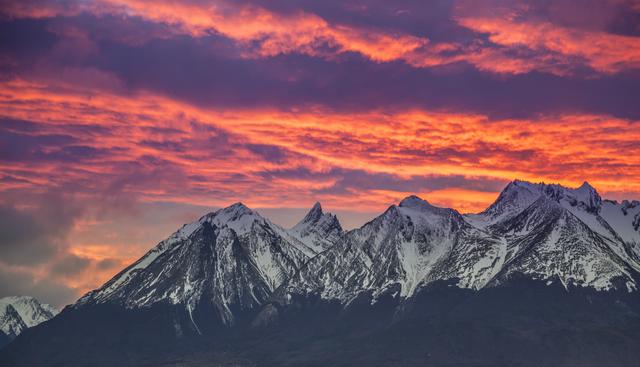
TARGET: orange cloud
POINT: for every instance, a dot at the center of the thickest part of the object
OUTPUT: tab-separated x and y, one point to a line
604	52
566	149
275	33
263	33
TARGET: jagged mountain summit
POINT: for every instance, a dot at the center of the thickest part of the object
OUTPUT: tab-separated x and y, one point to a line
556	232
318	230
17	313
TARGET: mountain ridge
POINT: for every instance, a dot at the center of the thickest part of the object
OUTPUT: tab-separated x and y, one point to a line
410	244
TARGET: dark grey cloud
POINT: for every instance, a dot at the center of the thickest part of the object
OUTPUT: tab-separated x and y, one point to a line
354	83
18	147
270	153
106	264
33	235
22	141
23	240
70	265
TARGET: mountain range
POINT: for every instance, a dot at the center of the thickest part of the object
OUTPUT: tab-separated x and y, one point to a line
537	278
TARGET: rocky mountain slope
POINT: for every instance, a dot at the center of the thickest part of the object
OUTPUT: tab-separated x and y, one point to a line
229	261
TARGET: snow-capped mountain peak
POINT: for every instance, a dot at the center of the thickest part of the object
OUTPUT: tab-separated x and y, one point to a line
232	258
515	197
318	230
420	210
414	201
519	195
585	197
30	309
18	313
237	217
234	212
314	215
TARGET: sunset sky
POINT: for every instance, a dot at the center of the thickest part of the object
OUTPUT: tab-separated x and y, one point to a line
120	120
